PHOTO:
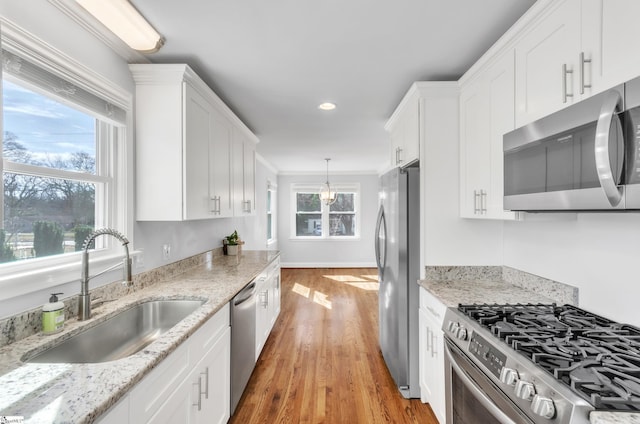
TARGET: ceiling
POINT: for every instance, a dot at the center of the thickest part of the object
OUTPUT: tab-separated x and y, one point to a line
273	62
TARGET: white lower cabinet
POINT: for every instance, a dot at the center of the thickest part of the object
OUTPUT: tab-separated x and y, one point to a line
268	303
431	356
191	385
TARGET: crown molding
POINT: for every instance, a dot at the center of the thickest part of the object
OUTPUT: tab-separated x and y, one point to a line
87	21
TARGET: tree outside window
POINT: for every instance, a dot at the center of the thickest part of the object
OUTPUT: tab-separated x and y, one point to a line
315	220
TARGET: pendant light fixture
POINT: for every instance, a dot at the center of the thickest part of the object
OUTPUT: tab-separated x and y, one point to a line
328	196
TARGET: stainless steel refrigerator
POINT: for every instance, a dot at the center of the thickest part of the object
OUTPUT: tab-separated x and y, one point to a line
398	257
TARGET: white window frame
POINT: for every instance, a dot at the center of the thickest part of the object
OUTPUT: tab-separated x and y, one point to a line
325	211
272	190
112	210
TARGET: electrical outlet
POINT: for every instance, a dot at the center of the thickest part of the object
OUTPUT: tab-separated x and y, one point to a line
166	252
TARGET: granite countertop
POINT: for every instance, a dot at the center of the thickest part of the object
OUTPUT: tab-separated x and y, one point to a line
451	292
79	393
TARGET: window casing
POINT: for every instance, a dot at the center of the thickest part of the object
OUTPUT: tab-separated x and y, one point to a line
271	213
313	220
97	180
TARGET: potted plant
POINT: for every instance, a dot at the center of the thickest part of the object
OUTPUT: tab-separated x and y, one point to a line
231	243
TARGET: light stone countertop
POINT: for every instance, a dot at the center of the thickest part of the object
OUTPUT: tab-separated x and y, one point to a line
79	393
453	292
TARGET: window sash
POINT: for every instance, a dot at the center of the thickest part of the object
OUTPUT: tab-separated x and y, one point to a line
325	212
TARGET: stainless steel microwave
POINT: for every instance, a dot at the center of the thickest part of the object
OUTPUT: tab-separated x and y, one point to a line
585	157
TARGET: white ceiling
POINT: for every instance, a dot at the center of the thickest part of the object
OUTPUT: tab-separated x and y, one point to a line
274	61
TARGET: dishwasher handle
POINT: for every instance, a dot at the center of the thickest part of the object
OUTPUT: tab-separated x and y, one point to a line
246	294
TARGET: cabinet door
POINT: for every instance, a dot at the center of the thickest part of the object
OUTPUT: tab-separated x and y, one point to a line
475	148
221	191
249	168
432	364
197	137
405	137
620	31
263	318
501	109
552	44
213	380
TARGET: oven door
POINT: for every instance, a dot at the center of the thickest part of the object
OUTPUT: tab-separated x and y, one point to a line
471	397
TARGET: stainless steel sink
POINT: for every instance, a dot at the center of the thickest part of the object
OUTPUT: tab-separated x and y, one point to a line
122	335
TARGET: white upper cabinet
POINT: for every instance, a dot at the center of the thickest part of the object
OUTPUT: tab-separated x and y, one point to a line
244	174
620	29
404	127
486	113
547	62
184	147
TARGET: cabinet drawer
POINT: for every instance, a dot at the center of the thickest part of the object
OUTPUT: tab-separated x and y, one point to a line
432	306
207	335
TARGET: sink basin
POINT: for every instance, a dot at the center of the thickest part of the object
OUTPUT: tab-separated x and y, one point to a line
122	335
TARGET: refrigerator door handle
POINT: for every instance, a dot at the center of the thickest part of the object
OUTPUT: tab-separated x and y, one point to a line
381	251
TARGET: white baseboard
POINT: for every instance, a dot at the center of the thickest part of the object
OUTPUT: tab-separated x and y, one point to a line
327	265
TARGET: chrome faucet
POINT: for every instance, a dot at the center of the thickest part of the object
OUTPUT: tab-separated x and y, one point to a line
84	299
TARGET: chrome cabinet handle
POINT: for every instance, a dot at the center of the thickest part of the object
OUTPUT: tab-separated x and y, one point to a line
608	182
428	338
565	73
216	205
247	206
199	403
398	155
583	61
206	390
483	202
476	196
434	352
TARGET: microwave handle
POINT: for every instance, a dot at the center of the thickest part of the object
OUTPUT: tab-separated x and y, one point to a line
610	106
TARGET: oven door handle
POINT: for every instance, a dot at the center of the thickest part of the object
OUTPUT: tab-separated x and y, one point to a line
477	391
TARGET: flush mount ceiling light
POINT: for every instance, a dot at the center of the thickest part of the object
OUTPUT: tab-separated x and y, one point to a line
121	18
328	196
327	106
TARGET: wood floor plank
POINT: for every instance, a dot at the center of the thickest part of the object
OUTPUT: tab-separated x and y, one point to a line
322	362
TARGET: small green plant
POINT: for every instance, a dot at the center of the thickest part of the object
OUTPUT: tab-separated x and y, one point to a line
47	238
233	239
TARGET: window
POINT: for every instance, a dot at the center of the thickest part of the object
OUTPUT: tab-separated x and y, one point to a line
271	208
315	220
64	164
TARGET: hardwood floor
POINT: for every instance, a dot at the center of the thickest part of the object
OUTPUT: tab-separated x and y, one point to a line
322	363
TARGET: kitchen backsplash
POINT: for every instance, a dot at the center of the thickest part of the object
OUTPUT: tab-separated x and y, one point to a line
29	322
559	292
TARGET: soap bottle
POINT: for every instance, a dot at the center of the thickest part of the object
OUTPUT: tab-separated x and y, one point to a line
53	315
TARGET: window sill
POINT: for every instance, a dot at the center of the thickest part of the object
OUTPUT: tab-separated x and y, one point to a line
325	239
31	277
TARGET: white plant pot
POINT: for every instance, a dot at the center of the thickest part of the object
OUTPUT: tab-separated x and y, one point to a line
232	249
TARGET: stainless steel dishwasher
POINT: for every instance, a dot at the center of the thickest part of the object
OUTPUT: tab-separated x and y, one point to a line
243	341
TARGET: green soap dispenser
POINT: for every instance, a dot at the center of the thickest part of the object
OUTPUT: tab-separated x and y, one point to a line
53	315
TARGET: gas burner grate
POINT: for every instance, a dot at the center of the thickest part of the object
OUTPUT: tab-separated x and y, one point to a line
598	358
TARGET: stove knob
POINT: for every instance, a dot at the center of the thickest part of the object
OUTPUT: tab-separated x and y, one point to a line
508	376
453	327
461	333
543	406
525	390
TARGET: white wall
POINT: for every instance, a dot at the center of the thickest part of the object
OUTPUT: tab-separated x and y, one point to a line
186	239
447	238
328	253
597	252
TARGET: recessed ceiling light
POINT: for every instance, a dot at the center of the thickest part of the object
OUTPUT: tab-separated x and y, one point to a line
327	106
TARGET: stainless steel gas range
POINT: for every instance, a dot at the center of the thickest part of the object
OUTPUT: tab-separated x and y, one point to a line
542	363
